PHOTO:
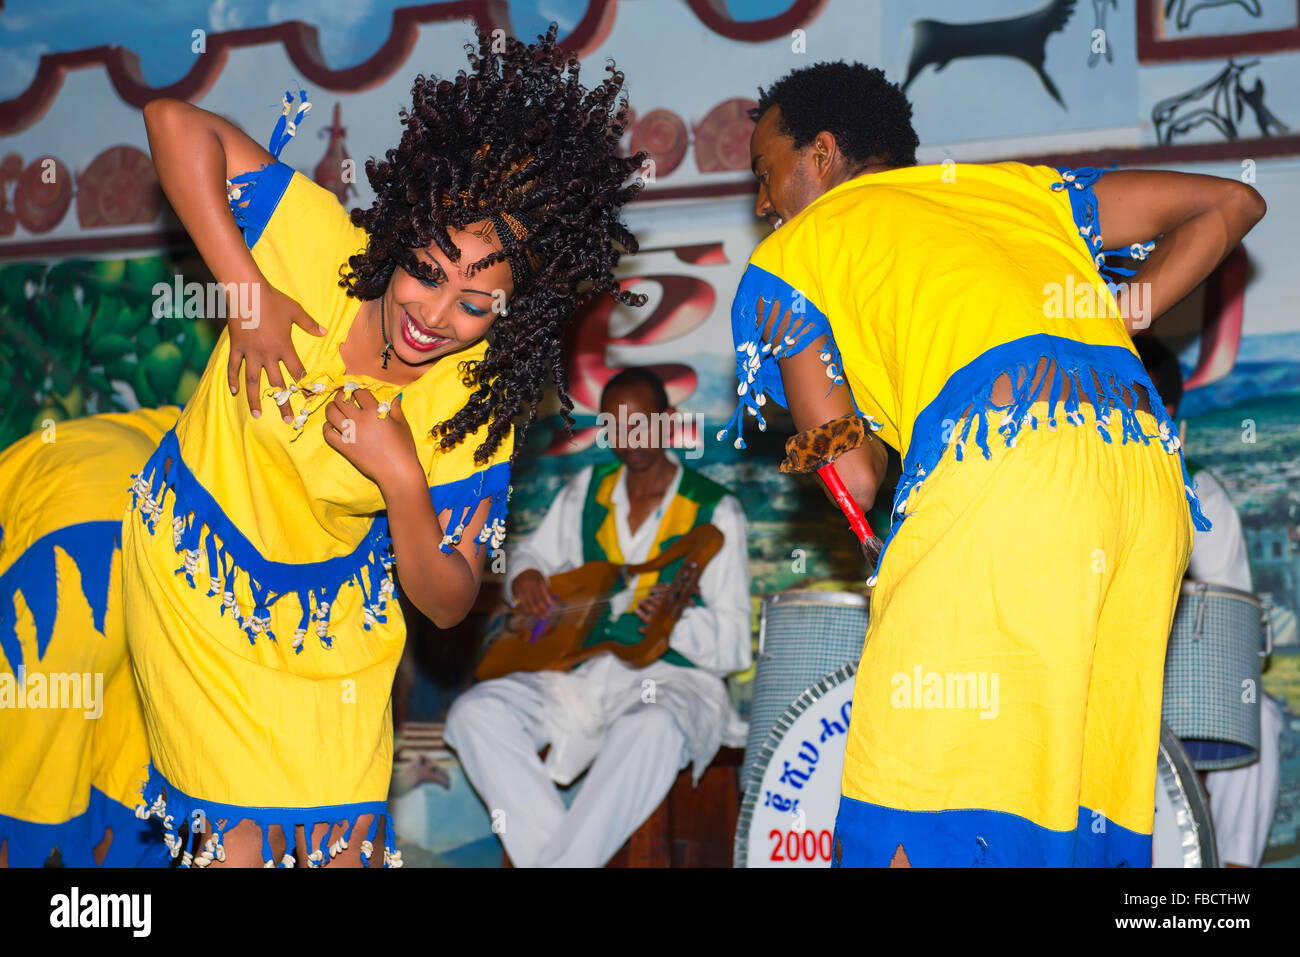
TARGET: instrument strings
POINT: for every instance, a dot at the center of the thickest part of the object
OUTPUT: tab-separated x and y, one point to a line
597	602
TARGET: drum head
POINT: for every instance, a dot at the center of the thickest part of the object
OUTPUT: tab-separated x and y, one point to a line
787	818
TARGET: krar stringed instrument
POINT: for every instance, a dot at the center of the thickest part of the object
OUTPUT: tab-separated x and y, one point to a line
555	643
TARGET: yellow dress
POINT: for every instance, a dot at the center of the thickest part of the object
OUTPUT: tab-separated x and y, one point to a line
73	752
258	566
1007	704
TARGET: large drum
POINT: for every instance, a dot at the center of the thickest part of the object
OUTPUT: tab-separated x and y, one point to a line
1183	833
787	818
802	636
1212	675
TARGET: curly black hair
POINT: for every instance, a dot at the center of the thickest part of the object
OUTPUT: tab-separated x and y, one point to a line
868	116
515	135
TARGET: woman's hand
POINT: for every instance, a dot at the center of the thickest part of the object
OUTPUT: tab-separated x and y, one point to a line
262	342
381	449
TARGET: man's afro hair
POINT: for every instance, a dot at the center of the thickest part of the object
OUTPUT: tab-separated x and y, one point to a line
868	116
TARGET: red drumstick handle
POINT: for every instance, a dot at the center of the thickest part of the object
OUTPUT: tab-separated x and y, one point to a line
857	521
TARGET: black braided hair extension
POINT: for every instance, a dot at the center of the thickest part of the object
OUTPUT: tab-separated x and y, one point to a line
516	134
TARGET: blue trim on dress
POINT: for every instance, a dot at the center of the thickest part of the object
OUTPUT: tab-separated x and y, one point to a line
174	807
967	395
867	835
968	392
462	498
135	842
757	365
255	195
30	843
1079	184
198	521
90	545
200	525
285	128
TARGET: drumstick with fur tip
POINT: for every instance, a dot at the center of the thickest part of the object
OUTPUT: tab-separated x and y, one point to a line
871	542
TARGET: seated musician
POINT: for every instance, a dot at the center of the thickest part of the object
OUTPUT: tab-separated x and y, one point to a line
631	730
1242	800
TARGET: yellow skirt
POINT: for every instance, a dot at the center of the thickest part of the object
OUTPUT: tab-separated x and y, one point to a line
73	751
1007	706
271	727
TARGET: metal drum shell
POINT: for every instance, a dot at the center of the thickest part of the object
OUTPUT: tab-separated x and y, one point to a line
1215	645
831	629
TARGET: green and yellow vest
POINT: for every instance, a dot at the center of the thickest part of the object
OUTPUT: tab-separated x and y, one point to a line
697	496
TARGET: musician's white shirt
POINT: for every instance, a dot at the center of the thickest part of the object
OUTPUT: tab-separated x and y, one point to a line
715	636
1242	800
1219	556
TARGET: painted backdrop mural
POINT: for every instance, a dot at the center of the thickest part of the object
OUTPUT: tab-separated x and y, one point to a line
86	245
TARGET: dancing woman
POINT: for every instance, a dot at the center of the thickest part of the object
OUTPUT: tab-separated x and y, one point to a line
259	559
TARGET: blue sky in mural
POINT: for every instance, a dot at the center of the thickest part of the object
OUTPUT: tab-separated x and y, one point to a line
160	33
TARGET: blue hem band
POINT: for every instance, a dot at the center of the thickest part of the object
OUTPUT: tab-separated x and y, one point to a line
135	842
462	498
254	196
1078	184
173	806
968	395
205	525
757	366
868	835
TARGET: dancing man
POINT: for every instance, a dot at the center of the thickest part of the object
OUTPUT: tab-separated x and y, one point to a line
1044	516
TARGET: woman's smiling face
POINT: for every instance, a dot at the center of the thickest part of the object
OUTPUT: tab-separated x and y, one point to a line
430	319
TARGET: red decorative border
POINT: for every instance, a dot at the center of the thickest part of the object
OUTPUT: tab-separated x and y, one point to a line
1154	49
301	43
1258	148
713	14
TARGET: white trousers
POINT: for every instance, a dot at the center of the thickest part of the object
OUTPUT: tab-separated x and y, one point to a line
1243	800
496	730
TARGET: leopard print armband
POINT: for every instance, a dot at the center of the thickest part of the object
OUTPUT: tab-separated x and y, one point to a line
812	448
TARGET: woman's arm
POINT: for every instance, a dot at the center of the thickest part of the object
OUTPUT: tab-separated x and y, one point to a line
442	586
1201	218
195	152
